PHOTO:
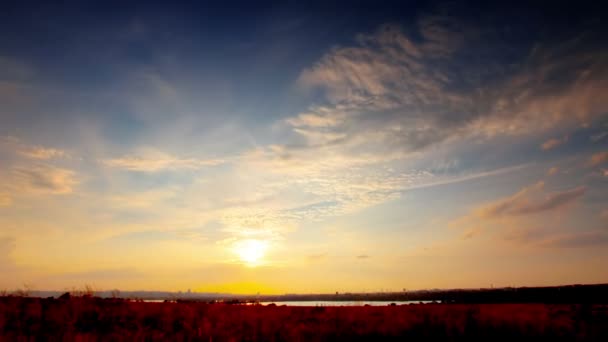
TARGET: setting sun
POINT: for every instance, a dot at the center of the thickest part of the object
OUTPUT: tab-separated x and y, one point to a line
251	252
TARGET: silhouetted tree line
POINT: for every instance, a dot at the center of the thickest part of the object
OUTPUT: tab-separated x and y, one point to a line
570	294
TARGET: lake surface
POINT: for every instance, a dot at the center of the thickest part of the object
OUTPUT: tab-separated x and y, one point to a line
346	303
328	302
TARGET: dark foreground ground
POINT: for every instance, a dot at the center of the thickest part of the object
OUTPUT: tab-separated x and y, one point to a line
96	319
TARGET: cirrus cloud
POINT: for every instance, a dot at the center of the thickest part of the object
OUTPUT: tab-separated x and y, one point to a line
17	146
42	179
388	93
595	238
161	162
511	210
553	143
521	203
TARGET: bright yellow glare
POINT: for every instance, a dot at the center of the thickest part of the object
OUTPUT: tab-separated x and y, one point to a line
251	252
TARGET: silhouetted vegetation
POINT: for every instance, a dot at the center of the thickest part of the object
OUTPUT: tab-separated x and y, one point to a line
96	319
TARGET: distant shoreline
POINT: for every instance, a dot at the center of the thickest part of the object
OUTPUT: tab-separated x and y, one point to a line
597	293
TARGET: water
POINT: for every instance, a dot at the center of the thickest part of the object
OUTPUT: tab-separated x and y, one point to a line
346	303
329	302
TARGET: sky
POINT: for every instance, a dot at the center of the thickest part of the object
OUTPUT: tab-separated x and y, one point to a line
288	148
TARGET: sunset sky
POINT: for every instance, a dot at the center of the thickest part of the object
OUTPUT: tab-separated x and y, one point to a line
273	148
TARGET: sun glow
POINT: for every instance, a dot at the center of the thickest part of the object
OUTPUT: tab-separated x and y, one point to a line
251	252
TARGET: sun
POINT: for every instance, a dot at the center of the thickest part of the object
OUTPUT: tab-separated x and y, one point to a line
251	252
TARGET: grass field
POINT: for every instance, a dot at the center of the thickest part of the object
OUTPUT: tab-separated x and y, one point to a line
96	319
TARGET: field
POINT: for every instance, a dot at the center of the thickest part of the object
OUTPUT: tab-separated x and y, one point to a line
96	319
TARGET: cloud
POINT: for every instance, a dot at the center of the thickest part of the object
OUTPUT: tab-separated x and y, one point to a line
42	153
386	74
160	163
15	145
553	143
598	158
598	137
328	184
552	171
258	222
363	256
546	236
394	93
26	172
471	232
578	240
521	203
42	179
316	118
516	209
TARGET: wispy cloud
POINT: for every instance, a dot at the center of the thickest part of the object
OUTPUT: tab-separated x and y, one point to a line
159	163
598	158
317	118
331	184
42	179
23	149
508	212
385	74
521	203
388	93
42	153
547	235
577	240
553	143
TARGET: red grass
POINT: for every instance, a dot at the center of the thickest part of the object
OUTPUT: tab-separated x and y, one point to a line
93	319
